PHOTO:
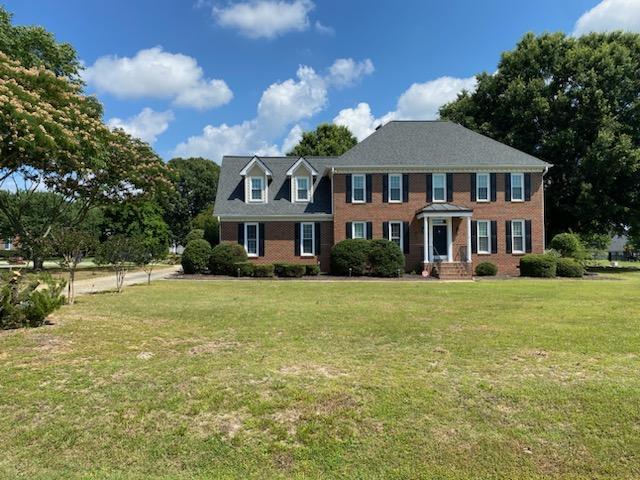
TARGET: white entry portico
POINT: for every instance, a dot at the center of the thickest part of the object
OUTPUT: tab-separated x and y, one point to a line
438	232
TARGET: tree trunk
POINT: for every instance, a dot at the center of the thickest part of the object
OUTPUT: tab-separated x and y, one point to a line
71	291
38	264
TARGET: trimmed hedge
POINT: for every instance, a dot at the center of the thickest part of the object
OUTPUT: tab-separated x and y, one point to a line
291	270
312	270
568	245
350	257
538	266
568	267
244	269
486	269
195	257
385	258
263	271
224	256
195	234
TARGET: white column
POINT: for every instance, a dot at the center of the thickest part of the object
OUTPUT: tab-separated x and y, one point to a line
449	240
468	239
425	223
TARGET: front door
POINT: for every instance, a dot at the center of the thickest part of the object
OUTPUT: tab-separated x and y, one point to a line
440	242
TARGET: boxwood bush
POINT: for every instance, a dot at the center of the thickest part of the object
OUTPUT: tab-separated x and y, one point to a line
195	234
312	270
486	269
224	256
533	265
568	267
195	257
350	256
568	245
385	258
289	269
244	269
263	271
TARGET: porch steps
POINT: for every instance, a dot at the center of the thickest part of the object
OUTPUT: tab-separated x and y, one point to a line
454	271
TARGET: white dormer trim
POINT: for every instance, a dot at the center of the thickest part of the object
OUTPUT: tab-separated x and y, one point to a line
255	161
307	165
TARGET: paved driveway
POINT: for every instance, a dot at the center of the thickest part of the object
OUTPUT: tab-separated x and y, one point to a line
106	283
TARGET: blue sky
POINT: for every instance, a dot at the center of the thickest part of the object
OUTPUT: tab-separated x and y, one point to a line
209	77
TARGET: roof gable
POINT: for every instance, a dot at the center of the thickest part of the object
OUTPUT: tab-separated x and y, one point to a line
255	161
302	162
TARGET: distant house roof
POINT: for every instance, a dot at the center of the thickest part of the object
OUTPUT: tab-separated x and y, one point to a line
618	243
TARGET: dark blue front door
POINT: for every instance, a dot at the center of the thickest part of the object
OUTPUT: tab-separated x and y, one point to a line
439	241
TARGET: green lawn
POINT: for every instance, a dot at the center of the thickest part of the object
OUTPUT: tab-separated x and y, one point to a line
391	380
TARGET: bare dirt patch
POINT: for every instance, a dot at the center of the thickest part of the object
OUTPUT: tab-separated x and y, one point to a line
326	371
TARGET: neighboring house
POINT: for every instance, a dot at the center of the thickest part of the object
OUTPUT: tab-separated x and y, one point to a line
448	196
6	244
619	249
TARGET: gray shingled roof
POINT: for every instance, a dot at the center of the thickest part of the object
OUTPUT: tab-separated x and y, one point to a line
433	143
230	197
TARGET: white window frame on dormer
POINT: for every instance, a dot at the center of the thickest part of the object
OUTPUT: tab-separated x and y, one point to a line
303	252
444	187
487	176
296	189
482	251
246	239
353	188
399	188
521	177
263	189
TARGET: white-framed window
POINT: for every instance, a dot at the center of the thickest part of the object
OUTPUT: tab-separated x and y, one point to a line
439	187
484	236
302	189
256	189
395	233
517	236
251	234
517	187
8	245
483	186
358	188
359	230
307	239
395	188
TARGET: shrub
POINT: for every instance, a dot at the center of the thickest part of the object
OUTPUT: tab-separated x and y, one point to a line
538	266
350	256
289	269
195	234
568	267
263	271
486	269
568	245
244	269
223	257
23	304
385	258
312	270
195	257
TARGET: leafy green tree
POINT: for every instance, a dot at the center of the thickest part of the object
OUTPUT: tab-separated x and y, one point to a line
573	102
122	253
72	245
209	224
325	141
196	181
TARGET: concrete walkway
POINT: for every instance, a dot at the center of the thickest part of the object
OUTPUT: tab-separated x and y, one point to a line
106	283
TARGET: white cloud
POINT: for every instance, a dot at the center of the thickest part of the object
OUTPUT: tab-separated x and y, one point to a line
610	15
146	125
420	101
345	71
265	18
154	73
292	139
324	29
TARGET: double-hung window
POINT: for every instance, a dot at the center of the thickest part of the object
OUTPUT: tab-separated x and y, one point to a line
517	187
251	239
257	189
395	233
395	188
359	230
358	188
482	187
484	236
307	236
517	236
439	190
302	189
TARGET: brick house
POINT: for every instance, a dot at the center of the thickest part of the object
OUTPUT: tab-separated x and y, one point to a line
449	197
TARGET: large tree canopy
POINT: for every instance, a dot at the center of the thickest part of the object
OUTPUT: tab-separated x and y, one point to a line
325	141
573	102
196	180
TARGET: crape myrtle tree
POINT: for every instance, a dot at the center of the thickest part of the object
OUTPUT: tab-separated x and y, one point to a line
326	141
72	245
573	102
122	253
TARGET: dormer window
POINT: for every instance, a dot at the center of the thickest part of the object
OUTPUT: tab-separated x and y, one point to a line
257	189
255	175
301	174
302	190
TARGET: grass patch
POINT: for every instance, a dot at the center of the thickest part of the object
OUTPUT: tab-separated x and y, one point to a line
187	379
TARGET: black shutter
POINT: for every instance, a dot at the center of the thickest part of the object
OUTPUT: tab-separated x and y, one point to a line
348	229
385	230
241	234
369	230
507	188
405	237
261	239
368	182
347	182
494	236
493	187
385	188
318	236
527	187
472	188
527	235
296	235
429	188
507	225
474	236
449	187
405	187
